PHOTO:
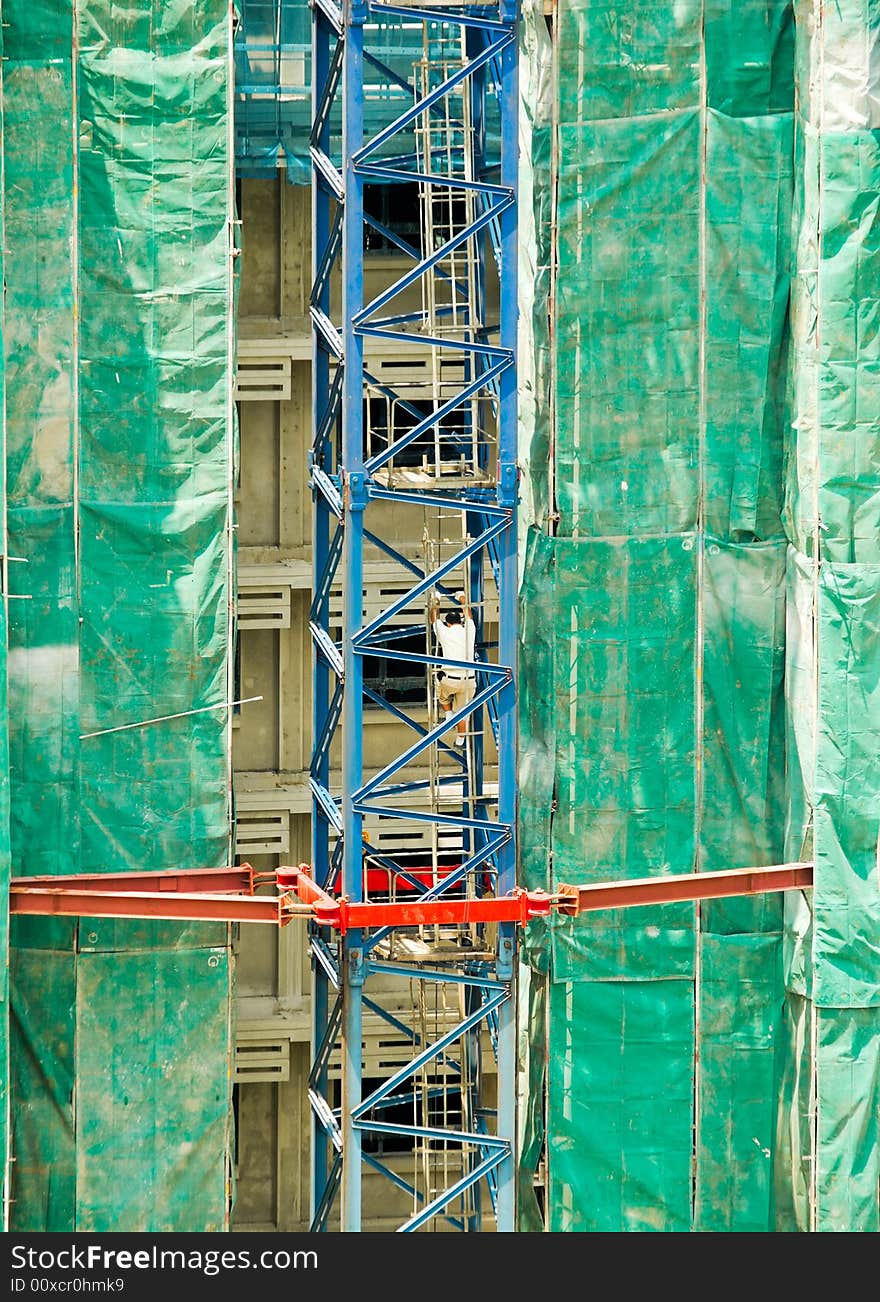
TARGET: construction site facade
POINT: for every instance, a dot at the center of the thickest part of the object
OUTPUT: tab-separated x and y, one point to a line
319	326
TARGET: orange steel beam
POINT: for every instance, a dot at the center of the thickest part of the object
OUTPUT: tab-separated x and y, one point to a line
682	887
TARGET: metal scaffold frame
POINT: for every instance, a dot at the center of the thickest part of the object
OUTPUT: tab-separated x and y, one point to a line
347	476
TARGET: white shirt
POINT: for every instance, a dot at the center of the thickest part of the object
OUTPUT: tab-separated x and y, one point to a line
457	642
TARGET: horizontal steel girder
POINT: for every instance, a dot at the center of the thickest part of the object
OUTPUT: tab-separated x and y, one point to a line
216	894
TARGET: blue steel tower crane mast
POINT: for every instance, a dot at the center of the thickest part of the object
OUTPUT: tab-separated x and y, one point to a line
356	486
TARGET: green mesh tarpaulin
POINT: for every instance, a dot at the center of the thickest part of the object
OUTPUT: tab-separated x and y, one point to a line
4	768
169	1173
119	351
620	1104
652	720
833	524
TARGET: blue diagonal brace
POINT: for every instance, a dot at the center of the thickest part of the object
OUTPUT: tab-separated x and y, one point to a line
328	94
410	1034
389	1085
422	106
420	588
328	173
437	1132
330	1189
423	743
422	816
317	611
329	335
324	1113
463	503
399	1181
410	277
435	417
328	728
330	414
470	1178
327	647
321	954
328	490
444	976
411	723
386	173
327	803
431	341
328	257
328	1040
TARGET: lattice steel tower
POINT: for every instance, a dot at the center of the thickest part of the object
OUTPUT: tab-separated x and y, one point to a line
426	449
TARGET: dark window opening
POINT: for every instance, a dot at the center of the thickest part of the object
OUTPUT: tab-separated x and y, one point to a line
236	672
236	1107
397	208
386	420
402	682
438	1110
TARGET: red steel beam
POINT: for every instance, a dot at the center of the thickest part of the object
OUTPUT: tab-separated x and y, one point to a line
519	906
195	907
197	895
100	902
240	881
325	908
682	887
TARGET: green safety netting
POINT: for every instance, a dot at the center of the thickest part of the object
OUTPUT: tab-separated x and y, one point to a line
652	718
701	611
832	513
118	350
4	770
